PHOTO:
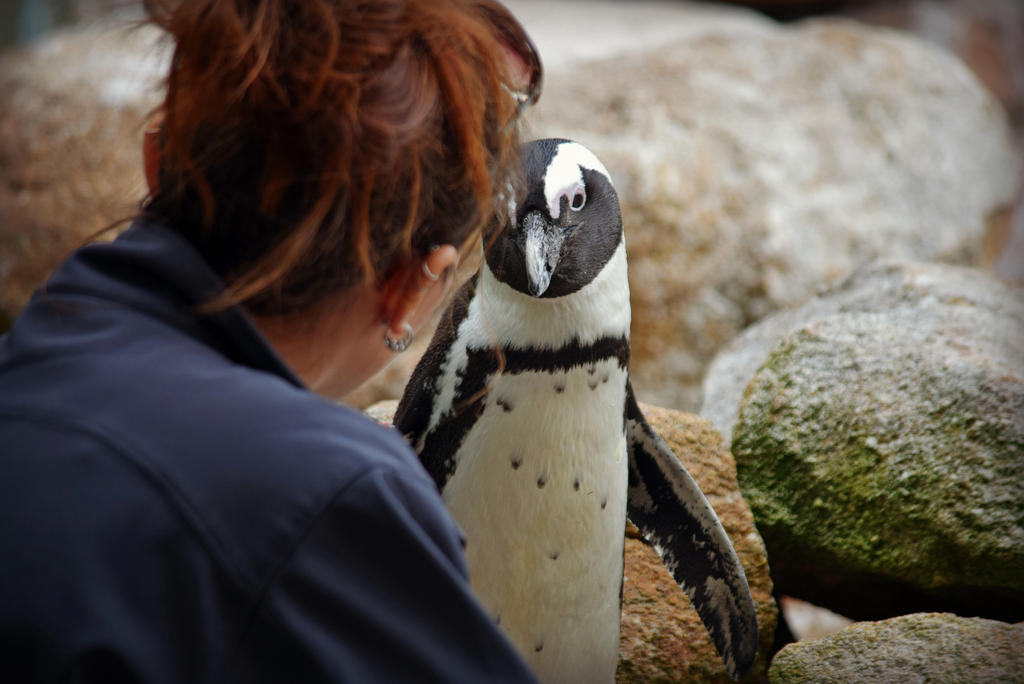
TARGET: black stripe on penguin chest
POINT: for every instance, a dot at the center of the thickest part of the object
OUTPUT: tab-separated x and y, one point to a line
470	400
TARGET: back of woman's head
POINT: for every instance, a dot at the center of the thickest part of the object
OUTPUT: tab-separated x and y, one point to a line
309	145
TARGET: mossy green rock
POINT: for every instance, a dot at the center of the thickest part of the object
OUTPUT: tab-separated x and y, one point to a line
924	647
882	453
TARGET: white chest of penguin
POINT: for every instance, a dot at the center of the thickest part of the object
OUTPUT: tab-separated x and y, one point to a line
543	506
540	486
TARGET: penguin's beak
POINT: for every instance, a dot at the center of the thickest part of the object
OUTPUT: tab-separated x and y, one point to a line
541	242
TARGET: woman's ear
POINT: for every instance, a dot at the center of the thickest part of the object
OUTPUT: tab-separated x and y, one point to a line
413	288
151	151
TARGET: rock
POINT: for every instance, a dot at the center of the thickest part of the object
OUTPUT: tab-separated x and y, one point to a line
756	162
382	411
807	621
924	647
72	108
886	285
987	36
881	445
751	148
662	637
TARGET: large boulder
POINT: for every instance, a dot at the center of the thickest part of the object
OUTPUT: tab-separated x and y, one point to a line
757	161
744	150
886	285
662	637
926	647
72	109
881	444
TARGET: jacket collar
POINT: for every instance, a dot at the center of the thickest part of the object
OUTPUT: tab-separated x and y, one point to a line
155	270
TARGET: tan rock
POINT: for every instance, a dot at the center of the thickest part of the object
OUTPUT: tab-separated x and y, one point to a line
662	636
72	108
382	411
808	621
756	162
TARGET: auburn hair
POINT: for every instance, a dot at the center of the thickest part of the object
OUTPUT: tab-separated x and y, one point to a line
308	145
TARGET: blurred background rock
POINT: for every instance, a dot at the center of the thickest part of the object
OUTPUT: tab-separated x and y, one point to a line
76	81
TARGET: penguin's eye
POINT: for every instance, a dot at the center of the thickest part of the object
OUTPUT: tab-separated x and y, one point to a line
579	199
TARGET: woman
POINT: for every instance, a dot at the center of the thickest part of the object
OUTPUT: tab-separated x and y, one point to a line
181	500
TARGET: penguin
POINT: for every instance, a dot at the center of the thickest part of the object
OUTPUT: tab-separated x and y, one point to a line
522	411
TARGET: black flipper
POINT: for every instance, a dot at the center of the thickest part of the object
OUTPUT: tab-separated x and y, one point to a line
412	417
674	515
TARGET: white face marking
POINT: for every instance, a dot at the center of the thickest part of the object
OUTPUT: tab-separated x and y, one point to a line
564	175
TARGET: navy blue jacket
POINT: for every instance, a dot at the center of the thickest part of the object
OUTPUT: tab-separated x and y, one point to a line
175	506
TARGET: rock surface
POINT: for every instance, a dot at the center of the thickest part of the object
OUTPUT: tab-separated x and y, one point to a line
881	445
988	37
925	647
807	621
882	286
662	638
72	109
755	162
768	158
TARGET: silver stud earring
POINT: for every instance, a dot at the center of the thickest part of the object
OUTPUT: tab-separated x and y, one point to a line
398	345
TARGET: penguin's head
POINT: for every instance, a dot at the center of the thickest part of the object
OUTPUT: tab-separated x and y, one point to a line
564	226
